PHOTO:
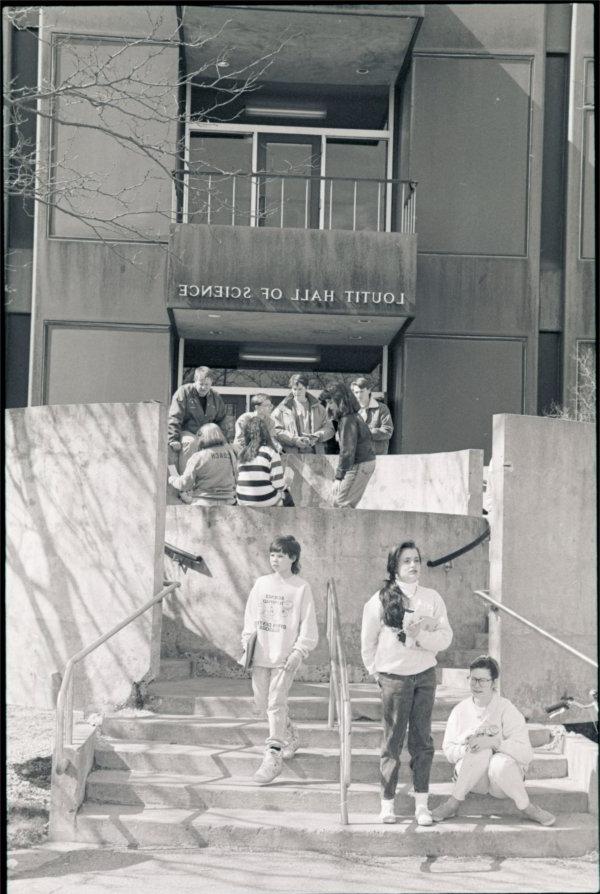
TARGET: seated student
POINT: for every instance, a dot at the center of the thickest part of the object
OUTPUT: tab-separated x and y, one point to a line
375	414
209	477
261	480
261	406
193	405
487	738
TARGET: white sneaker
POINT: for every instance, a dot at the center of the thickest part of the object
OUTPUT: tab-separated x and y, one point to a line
270	767
423	816
387	814
293	742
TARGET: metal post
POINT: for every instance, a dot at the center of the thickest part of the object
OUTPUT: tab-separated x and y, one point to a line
354	207
330	202
233	201
209	197
306	189
378	207
282	201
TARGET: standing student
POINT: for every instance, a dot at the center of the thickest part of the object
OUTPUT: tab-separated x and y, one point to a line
357	456
301	423
487	739
404	625
193	405
281	610
375	414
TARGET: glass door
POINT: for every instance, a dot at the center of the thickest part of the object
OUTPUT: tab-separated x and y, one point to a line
289	168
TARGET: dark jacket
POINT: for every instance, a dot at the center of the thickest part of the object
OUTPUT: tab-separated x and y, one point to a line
186	413
356	444
286	425
379	419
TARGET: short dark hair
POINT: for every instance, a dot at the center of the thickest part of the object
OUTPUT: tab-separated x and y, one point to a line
257	399
299	379
486	661
361	382
289	546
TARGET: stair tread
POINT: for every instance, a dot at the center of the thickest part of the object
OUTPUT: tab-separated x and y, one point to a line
223	688
252	751
241	722
125	777
359	822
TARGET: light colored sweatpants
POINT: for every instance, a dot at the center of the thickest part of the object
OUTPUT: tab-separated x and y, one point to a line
271	686
486	773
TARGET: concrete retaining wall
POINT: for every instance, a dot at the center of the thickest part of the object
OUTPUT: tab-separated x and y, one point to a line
85	532
204	618
427	482
543	556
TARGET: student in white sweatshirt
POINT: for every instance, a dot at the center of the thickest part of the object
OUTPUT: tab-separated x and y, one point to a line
281	610
487	739
404	625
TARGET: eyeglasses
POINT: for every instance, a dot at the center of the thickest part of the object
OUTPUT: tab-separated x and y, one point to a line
479	680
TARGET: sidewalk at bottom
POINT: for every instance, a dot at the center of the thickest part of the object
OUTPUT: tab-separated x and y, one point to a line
72	868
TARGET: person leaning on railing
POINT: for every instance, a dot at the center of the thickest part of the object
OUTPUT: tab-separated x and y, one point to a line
301	423
375	414
357	457
487	739
193	405
210	474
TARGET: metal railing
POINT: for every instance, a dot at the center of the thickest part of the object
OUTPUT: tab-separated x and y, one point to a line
339	695
496	606
298	200
64	703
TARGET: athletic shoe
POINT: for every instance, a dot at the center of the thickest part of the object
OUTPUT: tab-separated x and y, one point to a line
293	742
539	815
270	767
387	814
445	811
423	816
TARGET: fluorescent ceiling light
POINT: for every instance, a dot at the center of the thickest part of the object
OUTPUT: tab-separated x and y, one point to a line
266	111
277	358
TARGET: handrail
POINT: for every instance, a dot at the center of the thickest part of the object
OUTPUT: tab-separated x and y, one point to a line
498	605
433	563
277	175
184	559
339	695
64	702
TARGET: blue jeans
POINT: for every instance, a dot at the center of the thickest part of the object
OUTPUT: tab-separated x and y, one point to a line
407	701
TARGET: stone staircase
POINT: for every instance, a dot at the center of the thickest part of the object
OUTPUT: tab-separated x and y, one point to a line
178	774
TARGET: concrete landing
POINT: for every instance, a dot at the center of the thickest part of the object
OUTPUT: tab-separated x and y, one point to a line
95	870
573	835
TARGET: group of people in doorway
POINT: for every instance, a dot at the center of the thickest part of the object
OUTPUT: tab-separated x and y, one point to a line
404	626
250	470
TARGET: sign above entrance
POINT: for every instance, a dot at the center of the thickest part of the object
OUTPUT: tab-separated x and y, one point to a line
291	270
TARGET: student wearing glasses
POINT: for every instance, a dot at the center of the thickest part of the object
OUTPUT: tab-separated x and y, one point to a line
487	739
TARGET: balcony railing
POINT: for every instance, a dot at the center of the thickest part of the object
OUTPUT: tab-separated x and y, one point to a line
295	200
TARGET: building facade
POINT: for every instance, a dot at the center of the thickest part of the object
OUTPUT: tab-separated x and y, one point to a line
402	192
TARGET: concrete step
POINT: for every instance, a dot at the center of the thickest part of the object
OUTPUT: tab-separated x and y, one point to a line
178	730
174	790
268	830
230	697
176	668
313	763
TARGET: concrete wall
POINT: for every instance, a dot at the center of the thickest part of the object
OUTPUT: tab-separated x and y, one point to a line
543	556
85	532
429	482
205	617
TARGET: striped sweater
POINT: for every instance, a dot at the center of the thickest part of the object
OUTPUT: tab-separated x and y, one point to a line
260	481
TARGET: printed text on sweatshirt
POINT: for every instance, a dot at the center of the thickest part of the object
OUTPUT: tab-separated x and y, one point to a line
283	614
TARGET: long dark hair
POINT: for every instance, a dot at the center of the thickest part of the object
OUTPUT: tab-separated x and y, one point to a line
391	596
256	435
344	398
